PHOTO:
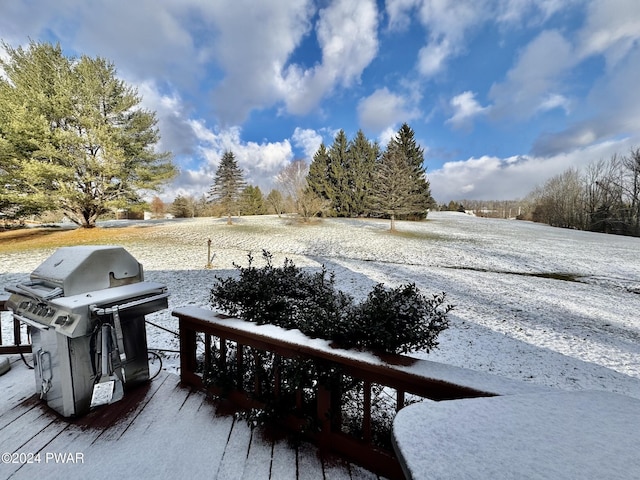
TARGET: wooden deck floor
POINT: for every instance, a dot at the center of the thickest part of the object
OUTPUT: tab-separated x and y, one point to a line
158	431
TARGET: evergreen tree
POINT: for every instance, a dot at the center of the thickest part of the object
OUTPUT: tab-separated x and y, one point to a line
252	201
337	176
183	207
318	176
362	156
393	193
404	144
227	185
400	189
72	136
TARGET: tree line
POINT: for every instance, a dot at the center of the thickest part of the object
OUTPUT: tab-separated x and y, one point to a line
351	178
605	197
74	139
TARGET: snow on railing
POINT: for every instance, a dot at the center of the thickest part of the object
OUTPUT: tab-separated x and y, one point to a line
205	334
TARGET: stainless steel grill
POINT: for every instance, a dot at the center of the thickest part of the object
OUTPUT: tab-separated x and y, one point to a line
85	309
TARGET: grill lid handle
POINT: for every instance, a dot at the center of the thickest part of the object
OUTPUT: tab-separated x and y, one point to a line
36	294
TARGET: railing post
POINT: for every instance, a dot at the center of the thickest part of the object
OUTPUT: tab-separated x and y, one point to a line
187	352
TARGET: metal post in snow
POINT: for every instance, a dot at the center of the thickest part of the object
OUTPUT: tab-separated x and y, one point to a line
208	265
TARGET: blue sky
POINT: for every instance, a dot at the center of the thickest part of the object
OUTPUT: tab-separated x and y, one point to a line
502	94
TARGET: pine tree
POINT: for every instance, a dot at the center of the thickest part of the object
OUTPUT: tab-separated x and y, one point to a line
400	188
318	176
362	156
252	201
182	207
73	136
227	185
405	144
337	176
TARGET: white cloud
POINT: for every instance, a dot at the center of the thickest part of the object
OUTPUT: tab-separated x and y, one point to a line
494	178
465	108
433	56
347	35
384	109
612	28
308	140
516	12
252	63
449	24
553	101
398	12
610	110
536	75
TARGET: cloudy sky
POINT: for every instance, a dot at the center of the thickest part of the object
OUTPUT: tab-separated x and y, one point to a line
502	94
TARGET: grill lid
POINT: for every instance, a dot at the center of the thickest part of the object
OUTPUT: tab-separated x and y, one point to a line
84	269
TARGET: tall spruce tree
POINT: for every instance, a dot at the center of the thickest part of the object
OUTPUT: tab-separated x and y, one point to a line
404	144
400	188
362	156
337	175
227	185
73	136
318	176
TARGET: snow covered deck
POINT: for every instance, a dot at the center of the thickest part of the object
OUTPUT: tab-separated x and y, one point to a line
160	430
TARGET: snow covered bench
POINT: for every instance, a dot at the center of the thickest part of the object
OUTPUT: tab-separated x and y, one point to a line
551	435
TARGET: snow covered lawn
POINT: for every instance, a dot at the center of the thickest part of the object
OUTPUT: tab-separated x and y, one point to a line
548	306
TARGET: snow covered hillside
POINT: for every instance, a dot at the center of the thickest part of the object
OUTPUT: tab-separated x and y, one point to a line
549	306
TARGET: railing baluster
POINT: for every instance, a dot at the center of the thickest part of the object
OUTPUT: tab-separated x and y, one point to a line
223	353
240	365
276	376
399	399
366	416
207	352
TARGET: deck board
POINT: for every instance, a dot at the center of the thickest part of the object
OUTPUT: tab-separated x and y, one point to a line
159	430
258	465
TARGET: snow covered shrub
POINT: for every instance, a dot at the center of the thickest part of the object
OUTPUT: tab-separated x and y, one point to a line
398	320
288	297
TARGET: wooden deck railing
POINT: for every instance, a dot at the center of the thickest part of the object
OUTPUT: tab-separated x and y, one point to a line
391	372
16	346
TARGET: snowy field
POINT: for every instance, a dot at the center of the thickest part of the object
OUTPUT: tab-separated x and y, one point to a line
545	305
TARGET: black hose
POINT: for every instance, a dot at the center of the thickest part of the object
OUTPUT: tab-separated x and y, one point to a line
24	360
162	328
157	355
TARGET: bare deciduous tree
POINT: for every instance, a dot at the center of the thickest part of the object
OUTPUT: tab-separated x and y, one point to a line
293	182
